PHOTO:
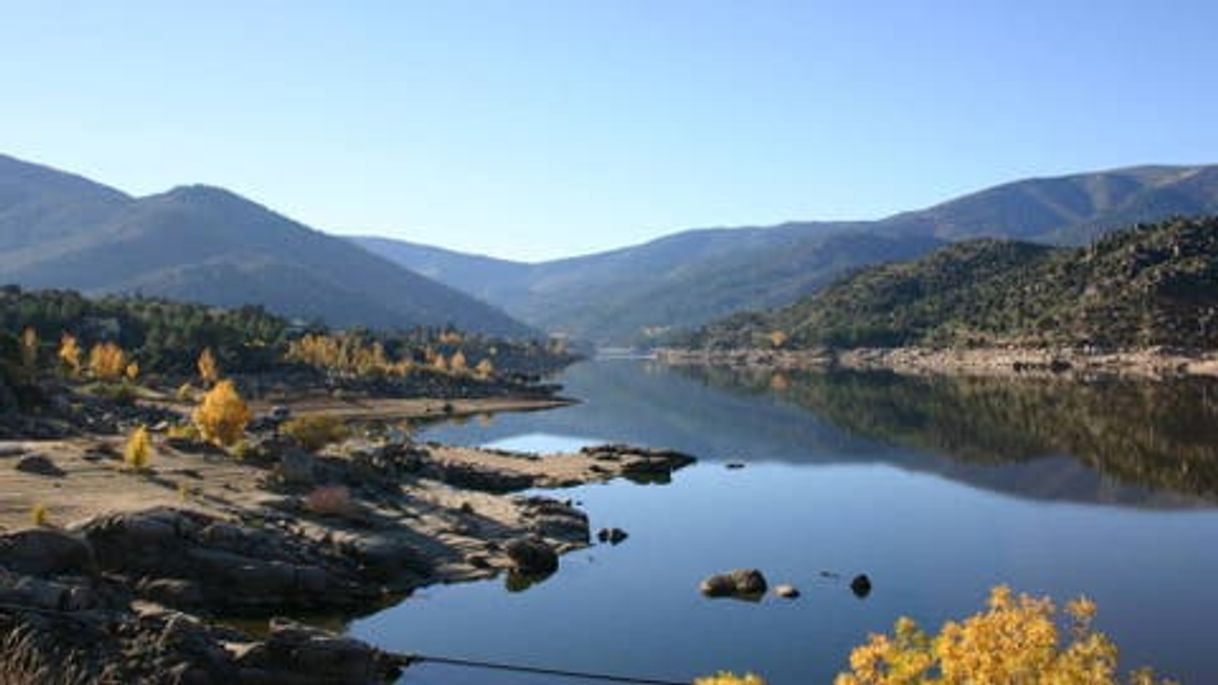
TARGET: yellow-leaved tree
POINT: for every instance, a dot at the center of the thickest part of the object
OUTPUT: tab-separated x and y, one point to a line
209	371
29	348
138	452
1016	640
69	353
485	369
107	361
222	415
457	363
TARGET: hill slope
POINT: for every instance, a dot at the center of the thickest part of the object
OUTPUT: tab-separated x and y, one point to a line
209	245
1153	284
693	277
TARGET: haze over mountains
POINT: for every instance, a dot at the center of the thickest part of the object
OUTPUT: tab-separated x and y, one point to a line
209	245
689	278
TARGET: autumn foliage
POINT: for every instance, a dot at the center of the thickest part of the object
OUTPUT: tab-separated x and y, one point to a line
138	451
69	353
107	361
209	371
1016	640
222	415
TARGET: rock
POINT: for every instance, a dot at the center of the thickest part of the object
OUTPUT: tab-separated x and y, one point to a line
532	556
787	591
861	585
44	552
611	535
39	464
734	465
386	557
474	477
737	583
298	654
297	467
171	592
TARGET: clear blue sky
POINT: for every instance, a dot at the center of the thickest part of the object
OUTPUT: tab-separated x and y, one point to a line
540	129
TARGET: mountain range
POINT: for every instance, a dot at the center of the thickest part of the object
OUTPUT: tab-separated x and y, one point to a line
210	245
1148	285
645	292
206	244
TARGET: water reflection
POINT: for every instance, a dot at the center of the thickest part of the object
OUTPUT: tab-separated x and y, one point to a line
1159	436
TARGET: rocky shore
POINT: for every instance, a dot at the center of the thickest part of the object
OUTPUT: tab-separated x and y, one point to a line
125	572
1151	364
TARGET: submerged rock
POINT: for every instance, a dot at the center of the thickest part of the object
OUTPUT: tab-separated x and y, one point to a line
532	556
861	585
737	583
612	535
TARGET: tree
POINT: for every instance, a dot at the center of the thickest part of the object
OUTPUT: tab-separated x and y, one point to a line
138	451
107	361
209	371
69	353
1015	641
222	415
29	348
485	369
457	363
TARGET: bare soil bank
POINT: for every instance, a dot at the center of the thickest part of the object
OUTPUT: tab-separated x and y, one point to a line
1151	364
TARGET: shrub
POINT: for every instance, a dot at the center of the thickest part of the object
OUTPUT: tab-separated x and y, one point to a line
725	678
184	431
1015	641
316	431
107	361
138	452
29	348
132	371
209	371
69	353
223	415
39	515
329	500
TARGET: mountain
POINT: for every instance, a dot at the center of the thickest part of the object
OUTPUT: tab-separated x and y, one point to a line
1148	285
640	293
209	245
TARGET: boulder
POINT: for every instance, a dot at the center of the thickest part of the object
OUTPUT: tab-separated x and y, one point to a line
45	552
737	583
786	591
531	556
40	465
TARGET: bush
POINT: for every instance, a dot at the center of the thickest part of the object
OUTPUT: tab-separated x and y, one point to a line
39	515
223	415
1016	640
139	449
329	500
316	431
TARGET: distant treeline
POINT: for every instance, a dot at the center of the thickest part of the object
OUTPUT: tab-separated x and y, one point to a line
167	336
1148	285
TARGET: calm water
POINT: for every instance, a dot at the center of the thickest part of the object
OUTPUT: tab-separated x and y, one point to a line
936	489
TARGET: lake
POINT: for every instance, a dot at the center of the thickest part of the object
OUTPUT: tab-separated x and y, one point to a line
937	489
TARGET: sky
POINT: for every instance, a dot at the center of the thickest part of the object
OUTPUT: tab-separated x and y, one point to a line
532	130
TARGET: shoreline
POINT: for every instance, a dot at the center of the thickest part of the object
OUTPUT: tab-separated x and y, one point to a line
167	554
997	362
